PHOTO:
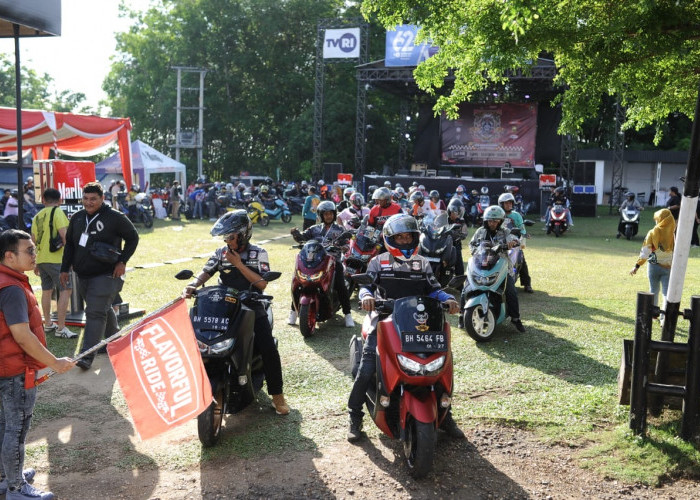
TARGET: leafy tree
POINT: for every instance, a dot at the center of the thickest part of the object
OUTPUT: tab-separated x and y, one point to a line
645	53
35	87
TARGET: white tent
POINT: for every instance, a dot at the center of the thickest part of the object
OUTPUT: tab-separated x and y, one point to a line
145	161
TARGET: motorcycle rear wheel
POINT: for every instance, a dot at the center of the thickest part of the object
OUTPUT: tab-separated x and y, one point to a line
419	448
307	319
210	420
479	328
263	220
286	218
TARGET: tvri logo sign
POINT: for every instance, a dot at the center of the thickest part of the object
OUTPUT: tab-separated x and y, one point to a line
341	43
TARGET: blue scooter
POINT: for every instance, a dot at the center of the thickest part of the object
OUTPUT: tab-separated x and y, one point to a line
279	211
483	294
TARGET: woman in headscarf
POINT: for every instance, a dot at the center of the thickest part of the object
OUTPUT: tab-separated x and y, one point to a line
657	249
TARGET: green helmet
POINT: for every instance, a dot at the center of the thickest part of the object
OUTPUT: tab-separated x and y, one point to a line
494	212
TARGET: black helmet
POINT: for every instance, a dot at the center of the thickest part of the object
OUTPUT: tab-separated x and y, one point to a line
434	194
417	197
456	206
235	222
357	200
630	195
325	206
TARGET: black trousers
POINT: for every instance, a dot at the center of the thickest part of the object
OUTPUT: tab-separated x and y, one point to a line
459	263
265	345
524	275
512	305
339	283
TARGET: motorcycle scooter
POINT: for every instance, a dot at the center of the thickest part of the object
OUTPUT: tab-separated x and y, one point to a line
223	325
483	295
437	246
281	211
558	222
140	214
412	389
313	294
629	222
257	213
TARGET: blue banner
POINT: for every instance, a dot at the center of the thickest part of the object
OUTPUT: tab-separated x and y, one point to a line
401	49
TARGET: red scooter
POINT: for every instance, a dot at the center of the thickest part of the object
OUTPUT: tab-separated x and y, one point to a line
558	221
412	391
313	294
363	246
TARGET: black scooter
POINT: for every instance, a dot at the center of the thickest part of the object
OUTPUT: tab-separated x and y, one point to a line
437	246
223	322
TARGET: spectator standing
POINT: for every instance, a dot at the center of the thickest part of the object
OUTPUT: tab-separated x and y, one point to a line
95	234
23	347
308	212
48	223
175	193
674	202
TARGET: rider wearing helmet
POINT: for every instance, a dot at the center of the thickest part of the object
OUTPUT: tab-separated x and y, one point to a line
507	202
351	217
328	233
239	264
493	232
267	196
345	202
401	272
436	203
131	200
383	208
455	214
630	202
558	197
418	207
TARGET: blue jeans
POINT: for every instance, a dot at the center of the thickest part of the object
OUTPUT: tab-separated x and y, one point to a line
16	406
100	319
658	275
197	212
368	367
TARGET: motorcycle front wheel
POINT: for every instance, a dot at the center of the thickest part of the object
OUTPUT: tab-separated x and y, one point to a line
479	327
147	219
419	448
629	232
210	420
286	218
307	319
264	220
557	231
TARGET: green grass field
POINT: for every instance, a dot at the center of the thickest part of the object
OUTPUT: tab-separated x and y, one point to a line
559	379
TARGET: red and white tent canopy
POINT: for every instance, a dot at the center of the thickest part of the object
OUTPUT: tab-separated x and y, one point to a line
67	133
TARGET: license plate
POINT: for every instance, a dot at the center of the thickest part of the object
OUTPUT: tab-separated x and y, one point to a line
433	259
424	342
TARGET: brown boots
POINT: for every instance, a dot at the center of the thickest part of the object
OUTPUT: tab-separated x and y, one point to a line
280	404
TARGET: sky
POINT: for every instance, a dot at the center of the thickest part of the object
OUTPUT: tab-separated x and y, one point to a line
79	59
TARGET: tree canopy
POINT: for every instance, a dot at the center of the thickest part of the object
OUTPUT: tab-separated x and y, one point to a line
645	52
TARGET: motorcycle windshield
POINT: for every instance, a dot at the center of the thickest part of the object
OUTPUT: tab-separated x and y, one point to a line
365	238
485	258
558	209
484	200
436	225
212	310
419	321
312	253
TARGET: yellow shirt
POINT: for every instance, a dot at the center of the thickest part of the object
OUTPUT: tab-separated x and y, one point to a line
40	229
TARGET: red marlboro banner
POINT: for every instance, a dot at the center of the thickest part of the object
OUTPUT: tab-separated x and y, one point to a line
160	371
69	177
490	135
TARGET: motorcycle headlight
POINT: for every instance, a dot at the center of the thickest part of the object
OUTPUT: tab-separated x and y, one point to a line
222	346
309	277
485	280
415	368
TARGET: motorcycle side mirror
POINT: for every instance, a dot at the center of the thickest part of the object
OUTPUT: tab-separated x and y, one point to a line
529	222
271	275
362	279
185	274
457	281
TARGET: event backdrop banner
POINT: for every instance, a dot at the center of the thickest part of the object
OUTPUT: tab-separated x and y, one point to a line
490	135
401	48
341	43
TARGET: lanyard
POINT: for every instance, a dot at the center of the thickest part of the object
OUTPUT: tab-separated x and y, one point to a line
89	221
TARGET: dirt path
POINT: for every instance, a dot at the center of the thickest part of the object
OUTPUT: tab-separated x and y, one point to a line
89	457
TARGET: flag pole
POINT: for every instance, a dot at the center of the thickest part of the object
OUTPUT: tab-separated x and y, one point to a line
106	341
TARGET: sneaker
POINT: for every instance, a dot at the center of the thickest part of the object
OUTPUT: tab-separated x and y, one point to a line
355	430
28	492
65	333
528	289
349	323
450	427
292	317
518	325
28	477
281	407
49	329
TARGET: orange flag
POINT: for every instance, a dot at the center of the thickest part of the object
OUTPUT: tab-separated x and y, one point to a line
160	371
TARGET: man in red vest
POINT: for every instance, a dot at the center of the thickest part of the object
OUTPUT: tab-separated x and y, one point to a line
22	352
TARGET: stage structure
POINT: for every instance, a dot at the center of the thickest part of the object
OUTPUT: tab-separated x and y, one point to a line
339	41
394	74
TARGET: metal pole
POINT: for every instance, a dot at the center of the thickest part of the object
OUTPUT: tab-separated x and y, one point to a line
177	115
691	402
18	109
200	138
640	363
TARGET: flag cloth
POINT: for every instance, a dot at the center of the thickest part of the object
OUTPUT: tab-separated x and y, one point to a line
160	371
